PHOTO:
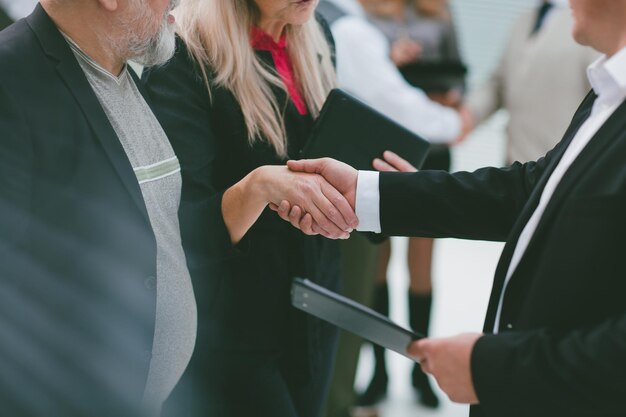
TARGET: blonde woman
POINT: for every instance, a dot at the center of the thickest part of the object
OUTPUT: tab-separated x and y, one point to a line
237	101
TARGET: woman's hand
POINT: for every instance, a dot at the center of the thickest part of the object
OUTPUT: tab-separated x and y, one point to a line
321	209
391	162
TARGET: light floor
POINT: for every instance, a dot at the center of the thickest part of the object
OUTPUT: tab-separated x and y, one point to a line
463	273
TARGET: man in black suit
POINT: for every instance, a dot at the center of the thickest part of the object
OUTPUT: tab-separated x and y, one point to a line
554	341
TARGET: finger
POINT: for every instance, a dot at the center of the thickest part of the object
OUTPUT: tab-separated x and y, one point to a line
418	348
273	207
313	166
306	225
294	216
283	210
400	163
380	165
414	349
330	219
426	366
341	204
327	227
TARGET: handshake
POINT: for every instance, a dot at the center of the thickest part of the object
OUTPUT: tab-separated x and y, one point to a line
318	196
323	201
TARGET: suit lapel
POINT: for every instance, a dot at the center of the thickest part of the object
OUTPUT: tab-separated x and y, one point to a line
69	70
579	118
605	136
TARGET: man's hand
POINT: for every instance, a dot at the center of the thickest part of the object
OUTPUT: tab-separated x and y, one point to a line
339	175
313	194
448	360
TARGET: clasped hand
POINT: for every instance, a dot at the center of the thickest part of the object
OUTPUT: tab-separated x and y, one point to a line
340	176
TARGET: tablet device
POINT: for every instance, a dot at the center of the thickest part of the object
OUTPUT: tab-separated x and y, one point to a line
352	132
351	316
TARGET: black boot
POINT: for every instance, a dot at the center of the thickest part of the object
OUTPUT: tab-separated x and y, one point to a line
419	318
377	388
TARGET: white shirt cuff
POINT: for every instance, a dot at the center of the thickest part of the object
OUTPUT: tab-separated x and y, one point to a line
368	202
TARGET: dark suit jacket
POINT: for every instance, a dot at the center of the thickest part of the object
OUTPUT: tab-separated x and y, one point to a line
77	254
561	350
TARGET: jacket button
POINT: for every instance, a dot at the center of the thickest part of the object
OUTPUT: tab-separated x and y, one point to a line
150	283
509	326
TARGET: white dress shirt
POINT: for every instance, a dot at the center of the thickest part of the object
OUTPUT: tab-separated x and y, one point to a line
365	69
608	79
17	9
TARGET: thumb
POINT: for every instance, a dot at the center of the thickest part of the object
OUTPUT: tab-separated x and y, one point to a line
417	349
313	166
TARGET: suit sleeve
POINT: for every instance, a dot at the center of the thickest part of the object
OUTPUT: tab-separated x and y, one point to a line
582	372
181	102
16	172
482	205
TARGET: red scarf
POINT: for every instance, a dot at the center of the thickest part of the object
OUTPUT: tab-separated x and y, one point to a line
263	42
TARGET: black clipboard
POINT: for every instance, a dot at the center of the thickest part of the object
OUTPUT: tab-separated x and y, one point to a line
351	316
352	132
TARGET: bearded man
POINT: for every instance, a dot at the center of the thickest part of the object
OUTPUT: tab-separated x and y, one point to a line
97	310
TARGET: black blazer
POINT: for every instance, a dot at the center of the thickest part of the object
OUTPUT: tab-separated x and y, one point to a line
244	303
561	350
77	254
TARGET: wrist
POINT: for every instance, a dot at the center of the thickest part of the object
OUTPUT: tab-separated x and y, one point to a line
258	185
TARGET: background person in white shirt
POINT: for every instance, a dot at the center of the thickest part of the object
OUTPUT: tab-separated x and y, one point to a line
555	331
365	69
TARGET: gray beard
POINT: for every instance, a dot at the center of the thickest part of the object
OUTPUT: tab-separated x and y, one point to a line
138	44
156	50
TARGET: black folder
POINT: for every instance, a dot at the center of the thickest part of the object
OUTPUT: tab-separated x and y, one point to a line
350	315
352	132
435	76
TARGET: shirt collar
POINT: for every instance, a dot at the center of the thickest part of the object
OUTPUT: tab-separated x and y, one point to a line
608	75
264	42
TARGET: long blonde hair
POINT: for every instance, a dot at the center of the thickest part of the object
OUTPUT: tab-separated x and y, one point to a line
217	35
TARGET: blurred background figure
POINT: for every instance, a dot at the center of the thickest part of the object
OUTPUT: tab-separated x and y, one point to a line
423	45
365	68
12	10
540	80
